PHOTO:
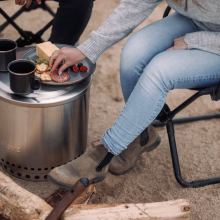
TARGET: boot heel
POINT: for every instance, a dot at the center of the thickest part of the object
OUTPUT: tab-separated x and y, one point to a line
155	145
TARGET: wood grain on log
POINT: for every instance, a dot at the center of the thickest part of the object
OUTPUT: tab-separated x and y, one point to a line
17	203
170	210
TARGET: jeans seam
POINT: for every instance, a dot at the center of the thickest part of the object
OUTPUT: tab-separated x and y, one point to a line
195	27
106	144
196	78
157	107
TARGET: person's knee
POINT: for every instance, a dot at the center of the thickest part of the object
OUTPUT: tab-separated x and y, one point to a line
133	57
159	72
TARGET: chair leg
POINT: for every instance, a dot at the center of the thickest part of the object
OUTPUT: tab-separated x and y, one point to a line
176	166
47	8
21	32
19	12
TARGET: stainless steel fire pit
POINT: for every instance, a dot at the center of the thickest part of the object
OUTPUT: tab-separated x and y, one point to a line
43	130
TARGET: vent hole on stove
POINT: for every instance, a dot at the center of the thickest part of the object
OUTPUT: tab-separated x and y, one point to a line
74	158
25	168
79	155
39	169
18	174
46	168
5	167
19	167
32	168
82	152
27	176
13	165
3	160
52	168
7	162
11	171
45	177
37	177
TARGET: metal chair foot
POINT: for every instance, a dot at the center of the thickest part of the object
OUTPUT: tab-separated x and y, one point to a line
176	166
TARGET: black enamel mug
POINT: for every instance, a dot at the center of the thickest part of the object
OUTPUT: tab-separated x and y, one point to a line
7	53
22	77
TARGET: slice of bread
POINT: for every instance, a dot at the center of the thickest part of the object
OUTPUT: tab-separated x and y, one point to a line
48	68
45	77
41	67
37	74
45	50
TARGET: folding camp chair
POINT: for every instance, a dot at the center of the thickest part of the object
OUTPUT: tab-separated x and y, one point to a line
166	118
27	37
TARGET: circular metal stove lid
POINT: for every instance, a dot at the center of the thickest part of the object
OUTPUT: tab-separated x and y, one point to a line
47	96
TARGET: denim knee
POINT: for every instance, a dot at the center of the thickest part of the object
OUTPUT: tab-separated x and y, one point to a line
159	74
130	63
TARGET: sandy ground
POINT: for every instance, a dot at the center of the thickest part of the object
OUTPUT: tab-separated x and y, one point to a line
152	180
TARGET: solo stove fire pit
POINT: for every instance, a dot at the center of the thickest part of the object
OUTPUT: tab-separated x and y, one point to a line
43	130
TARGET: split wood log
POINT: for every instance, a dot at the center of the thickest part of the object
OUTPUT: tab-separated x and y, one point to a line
58	195
17	203
170	210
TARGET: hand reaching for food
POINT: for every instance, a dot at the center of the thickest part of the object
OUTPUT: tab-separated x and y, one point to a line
70	56
28	2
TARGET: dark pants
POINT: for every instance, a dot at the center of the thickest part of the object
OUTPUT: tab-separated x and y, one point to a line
70	20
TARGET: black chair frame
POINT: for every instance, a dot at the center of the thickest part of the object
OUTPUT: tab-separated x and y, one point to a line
27	37
166	118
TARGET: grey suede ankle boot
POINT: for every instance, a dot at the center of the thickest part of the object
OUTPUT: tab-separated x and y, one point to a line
93	164
124	162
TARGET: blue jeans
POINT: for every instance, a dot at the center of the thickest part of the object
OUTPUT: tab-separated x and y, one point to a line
148	72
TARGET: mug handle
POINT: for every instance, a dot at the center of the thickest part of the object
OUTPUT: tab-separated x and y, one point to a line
40	83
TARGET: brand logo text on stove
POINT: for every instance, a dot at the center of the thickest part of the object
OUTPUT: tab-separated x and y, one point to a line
9	147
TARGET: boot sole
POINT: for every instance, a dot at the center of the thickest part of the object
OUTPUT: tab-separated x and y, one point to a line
68	186
148	149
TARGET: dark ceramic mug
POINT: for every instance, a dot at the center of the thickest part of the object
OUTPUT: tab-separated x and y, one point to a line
22	77
7	53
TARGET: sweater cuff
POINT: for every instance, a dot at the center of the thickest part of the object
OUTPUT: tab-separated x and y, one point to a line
192	40
92	49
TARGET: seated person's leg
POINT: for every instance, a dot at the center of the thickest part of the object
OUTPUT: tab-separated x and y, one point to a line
70	21
176	69
148	73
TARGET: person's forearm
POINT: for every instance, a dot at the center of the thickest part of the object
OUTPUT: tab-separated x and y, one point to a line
204	40
127	16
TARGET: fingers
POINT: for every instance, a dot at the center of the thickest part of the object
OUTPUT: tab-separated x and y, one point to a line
63	67
172	48
39	2
53	58
21	2
17	2
28	3
58	61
